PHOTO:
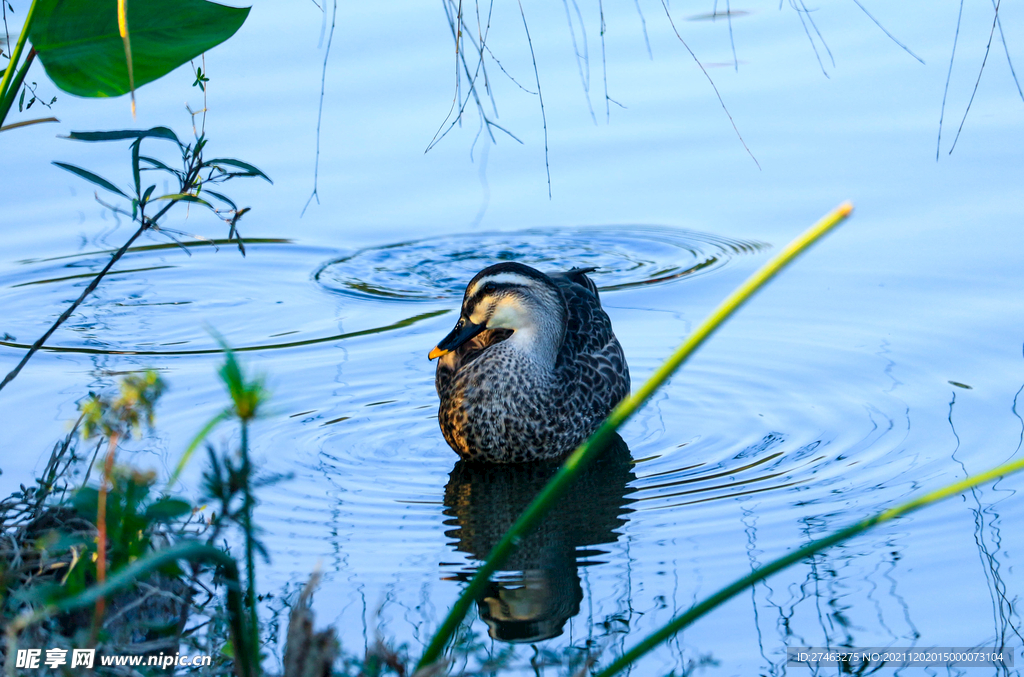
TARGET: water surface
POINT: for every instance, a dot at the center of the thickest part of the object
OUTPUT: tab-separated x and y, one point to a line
885	363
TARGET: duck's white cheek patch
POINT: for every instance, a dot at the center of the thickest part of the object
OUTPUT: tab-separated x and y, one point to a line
508	314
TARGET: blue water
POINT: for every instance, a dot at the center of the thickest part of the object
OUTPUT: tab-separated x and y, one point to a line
839	391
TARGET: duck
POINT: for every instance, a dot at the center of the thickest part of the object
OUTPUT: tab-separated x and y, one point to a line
531	368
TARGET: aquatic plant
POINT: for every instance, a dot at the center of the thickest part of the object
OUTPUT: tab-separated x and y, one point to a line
194	179
118	552
224	481
93	48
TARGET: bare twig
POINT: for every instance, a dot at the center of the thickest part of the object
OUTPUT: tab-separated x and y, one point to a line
540	96
711	82
949	75
320	110
988	48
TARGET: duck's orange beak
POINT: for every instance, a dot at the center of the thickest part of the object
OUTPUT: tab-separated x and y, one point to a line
436	352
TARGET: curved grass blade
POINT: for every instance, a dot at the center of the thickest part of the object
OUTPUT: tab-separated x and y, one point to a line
203	433
223	198
728	592
94	178
117	135
184	197
601	438
26	123
236	163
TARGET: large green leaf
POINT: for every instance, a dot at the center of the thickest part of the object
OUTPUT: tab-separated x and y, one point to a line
82	51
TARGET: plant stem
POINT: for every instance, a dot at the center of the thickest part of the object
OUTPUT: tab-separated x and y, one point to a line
247	508
577	461
70	309
146	224
7	101
733	589
7	91
101	536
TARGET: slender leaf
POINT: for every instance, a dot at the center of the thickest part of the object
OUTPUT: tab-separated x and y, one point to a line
149	191
185	197
167	509
81	47
223	198
157	164
89	176
236	163
26	123
135	167
728	592
118	135
194	444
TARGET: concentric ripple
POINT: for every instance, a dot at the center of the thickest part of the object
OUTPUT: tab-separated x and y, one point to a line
438	268
159	300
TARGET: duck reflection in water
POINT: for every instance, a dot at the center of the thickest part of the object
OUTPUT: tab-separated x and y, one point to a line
538	589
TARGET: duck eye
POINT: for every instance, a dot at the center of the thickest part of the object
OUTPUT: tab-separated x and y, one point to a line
490	288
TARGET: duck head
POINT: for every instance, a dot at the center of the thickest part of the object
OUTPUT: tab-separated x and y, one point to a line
511	297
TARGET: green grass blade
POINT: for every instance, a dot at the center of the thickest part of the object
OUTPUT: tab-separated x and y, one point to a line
118	135
248	168
26	123
573	465
194	444
728	592
94	178
7	88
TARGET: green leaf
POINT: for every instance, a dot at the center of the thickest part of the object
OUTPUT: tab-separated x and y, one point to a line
85	501
136	172
223	198
203	433
184	197
167	509
80	46
159	165
236	163
89	176
157	132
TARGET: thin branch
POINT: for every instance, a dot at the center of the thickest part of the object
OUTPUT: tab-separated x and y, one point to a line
320	111
604	65
712	82
581	59
643	26
1006	49
977	82
732	41
891	36
949	75
543	115
70	309
817	56
821	37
